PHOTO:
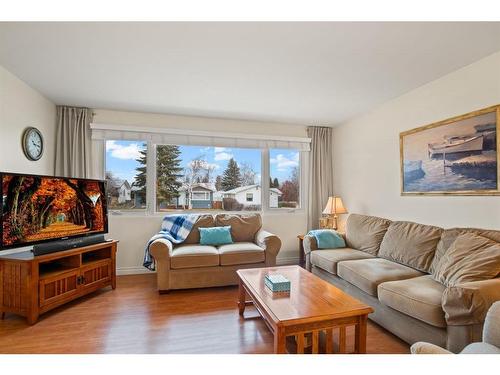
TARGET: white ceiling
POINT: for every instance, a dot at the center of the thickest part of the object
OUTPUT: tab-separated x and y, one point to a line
304	73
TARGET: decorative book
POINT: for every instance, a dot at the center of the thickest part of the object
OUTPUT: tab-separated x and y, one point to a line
277	283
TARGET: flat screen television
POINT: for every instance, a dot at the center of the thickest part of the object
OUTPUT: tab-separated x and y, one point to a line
38	209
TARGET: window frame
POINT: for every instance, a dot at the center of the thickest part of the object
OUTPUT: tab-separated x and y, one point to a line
151	208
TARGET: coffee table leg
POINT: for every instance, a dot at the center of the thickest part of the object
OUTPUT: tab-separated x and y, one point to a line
241	298
360	343
342	340
279	341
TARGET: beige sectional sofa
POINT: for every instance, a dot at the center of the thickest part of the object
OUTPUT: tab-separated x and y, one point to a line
390	265
191	265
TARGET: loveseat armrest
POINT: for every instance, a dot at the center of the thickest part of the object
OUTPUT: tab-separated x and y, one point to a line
468	303
161	250
271	243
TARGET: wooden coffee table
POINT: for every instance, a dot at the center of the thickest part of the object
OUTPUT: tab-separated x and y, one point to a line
312	306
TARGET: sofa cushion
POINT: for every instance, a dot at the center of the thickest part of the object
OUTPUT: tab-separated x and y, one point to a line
243	227
410	244
365	233
450	235
204	221
418	297
469	258
328	259
241	253
193	256
367	274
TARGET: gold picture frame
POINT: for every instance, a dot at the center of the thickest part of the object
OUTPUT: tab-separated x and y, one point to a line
470	161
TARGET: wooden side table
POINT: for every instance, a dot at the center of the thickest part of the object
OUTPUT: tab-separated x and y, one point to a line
302	256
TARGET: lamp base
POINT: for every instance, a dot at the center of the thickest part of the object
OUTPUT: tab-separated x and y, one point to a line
328	222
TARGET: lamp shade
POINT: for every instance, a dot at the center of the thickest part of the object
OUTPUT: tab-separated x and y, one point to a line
334	206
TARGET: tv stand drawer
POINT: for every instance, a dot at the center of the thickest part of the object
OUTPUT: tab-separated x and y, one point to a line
58	288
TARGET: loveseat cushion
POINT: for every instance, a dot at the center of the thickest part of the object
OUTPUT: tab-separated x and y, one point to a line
243	227
418	297
410	244
450	235
328	259
193	256
367	274
241	253
204	221
470	257
365	233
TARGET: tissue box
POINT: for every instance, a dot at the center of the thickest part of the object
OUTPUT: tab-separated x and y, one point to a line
277	283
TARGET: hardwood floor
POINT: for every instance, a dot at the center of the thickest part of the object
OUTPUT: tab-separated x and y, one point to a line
134	318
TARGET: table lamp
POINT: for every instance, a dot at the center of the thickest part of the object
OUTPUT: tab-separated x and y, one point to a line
334	207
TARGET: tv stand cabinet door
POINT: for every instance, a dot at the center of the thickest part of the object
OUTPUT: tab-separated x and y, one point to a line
96	275
58	289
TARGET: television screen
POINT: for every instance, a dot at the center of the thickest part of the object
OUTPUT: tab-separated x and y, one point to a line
37	209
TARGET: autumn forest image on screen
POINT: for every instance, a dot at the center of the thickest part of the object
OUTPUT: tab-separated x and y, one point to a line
43	208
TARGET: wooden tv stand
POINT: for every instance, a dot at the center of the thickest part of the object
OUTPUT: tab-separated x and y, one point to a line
32	285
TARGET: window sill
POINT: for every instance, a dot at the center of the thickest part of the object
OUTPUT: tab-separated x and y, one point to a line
269	212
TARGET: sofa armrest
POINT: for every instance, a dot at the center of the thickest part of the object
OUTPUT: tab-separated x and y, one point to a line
310	244
468	303
427	348
161	250
271	243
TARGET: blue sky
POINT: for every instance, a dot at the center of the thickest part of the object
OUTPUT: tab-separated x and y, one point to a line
121	155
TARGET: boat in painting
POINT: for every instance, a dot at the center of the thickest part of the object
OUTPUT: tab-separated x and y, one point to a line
456	144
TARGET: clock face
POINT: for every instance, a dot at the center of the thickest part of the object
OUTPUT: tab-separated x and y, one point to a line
33	143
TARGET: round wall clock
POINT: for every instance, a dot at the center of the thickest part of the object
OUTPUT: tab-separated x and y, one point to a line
33	143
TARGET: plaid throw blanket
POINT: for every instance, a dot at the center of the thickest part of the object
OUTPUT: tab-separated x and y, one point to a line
174	228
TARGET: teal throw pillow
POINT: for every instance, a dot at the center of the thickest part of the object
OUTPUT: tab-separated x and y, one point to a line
215	236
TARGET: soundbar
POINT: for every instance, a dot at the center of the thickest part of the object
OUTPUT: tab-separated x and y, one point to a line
66	244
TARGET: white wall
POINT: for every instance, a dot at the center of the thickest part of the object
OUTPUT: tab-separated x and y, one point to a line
366	150
22	107
134	231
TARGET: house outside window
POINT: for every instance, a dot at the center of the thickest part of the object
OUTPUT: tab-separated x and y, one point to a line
199	177
126	175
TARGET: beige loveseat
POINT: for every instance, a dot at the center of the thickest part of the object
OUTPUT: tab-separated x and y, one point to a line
191	265
390	265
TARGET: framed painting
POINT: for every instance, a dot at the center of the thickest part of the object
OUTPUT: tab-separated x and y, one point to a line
458	156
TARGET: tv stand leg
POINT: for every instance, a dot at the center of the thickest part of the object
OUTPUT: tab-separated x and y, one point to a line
2	315
32	319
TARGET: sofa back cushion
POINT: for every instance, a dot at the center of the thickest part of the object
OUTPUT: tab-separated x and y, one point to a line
365	233
411	244
204	221
470	257
450	235
244	227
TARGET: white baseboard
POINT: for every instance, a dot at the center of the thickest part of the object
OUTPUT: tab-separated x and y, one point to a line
131	270
140	270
